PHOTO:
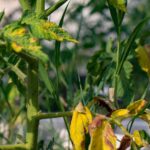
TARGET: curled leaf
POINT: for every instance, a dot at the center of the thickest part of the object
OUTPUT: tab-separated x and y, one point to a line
81	119
43	29
136	106
120	113
102	135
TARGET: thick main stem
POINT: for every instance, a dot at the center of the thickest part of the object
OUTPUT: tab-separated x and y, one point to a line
32	105
40	6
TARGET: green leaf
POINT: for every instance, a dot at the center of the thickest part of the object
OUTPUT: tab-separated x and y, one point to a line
43	29
145	136
44	76
21	41
119	4
1	15
130	43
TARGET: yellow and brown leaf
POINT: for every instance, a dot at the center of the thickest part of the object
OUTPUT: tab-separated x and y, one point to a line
81	119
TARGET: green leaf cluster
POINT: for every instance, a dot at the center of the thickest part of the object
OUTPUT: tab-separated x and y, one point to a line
23	36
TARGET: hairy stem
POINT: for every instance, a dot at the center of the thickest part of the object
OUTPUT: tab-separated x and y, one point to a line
40	6
13	147
32	105
40	116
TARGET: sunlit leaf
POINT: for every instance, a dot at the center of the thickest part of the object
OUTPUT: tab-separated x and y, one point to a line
120	113
136	106
20	40
138	139
46	30
119	4
81	119
144	59
102	135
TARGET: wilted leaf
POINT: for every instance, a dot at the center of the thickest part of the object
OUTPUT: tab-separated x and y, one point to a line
43	29
102	135
144	58
120	113
119	4
125	142
81	119
136	106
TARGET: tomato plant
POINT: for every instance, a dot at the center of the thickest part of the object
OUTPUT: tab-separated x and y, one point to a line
24	59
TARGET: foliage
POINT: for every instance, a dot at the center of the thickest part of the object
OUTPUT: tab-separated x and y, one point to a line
52	75
101	131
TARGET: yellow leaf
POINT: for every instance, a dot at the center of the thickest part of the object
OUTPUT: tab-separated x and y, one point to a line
19	32
16	47
144	58
137	138
102	135
136	106
81	119
120	113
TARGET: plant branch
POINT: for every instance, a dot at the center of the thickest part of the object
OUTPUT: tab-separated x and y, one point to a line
15	69
54	7
32	105
13	147
40	115
25	4
40	6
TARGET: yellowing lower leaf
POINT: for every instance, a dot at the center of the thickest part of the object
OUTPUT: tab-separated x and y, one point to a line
102	136
144	59
136	106
120	113
81	119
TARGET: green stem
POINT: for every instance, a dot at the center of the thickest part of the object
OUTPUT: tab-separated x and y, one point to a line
117	65
15	69
121	127
25	4
54	7
32	105
40	6
13	147
40	116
